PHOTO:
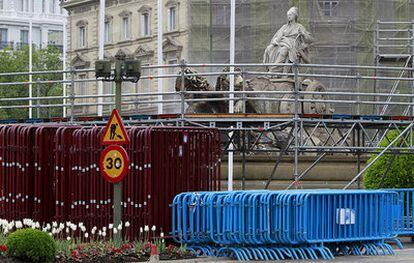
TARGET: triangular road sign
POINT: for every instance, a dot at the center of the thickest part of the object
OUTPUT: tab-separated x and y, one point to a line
115	131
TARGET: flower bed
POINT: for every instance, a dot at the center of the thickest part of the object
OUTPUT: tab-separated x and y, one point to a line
75	244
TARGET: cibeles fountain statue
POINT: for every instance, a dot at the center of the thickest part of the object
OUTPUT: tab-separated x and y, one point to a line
290	44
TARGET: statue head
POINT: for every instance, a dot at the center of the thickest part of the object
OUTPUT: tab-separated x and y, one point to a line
292	14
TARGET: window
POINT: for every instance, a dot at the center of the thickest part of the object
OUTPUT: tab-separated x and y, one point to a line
145	83
108	32
43	6
1	4
145	24
3	35
52	6
55	38
23	5
125	28
82	36
24	36
107	90
222	14
172	18
82	86
328	7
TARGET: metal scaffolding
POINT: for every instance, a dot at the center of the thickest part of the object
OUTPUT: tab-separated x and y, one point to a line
294	133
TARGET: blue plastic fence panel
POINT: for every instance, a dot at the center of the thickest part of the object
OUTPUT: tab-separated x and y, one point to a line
285	217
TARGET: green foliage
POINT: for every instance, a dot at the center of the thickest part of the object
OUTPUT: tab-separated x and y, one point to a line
401	167
18	61
31	245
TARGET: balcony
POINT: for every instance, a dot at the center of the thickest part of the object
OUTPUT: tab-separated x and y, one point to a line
6	44
36	17
20	45
58	47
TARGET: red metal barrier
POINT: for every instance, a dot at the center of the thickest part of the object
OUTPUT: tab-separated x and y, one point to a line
51	172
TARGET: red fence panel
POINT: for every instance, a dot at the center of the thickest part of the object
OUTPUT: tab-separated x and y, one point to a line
51	172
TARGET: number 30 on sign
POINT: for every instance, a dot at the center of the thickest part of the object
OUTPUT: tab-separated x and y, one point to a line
114	163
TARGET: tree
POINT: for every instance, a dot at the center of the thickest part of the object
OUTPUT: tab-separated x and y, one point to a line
398	168
18	61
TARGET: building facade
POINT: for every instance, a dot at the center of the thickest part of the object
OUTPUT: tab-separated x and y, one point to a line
47	19
130	29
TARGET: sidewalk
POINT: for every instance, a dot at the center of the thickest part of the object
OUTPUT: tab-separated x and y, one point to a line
405	255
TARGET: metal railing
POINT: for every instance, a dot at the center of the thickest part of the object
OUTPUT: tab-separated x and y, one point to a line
177	95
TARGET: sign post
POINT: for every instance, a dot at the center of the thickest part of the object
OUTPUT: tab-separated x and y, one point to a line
114	160
117	215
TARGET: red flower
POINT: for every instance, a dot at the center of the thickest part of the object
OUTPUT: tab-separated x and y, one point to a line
3	248
75	254
170	247
126	246
81	247
146	246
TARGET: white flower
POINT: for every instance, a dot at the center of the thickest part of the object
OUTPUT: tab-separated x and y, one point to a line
111	226
100	233
104	229
48	226
37	225
115	231
54	224
68	238
50	234
83	229
86	235
104	234
93	231
146	228
153	228
127	224
67	230
141	230
80	225
19	224
119	227
162	234
27	222
6	231
54	231
74	227
61	226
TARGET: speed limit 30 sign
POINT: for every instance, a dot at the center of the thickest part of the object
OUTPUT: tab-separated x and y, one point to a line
114	163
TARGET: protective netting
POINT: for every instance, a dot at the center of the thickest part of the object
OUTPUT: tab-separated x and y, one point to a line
344	32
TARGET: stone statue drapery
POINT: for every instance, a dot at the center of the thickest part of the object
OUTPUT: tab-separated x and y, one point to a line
289	44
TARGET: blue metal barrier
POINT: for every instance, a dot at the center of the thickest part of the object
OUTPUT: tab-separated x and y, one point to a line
404	211
304	223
